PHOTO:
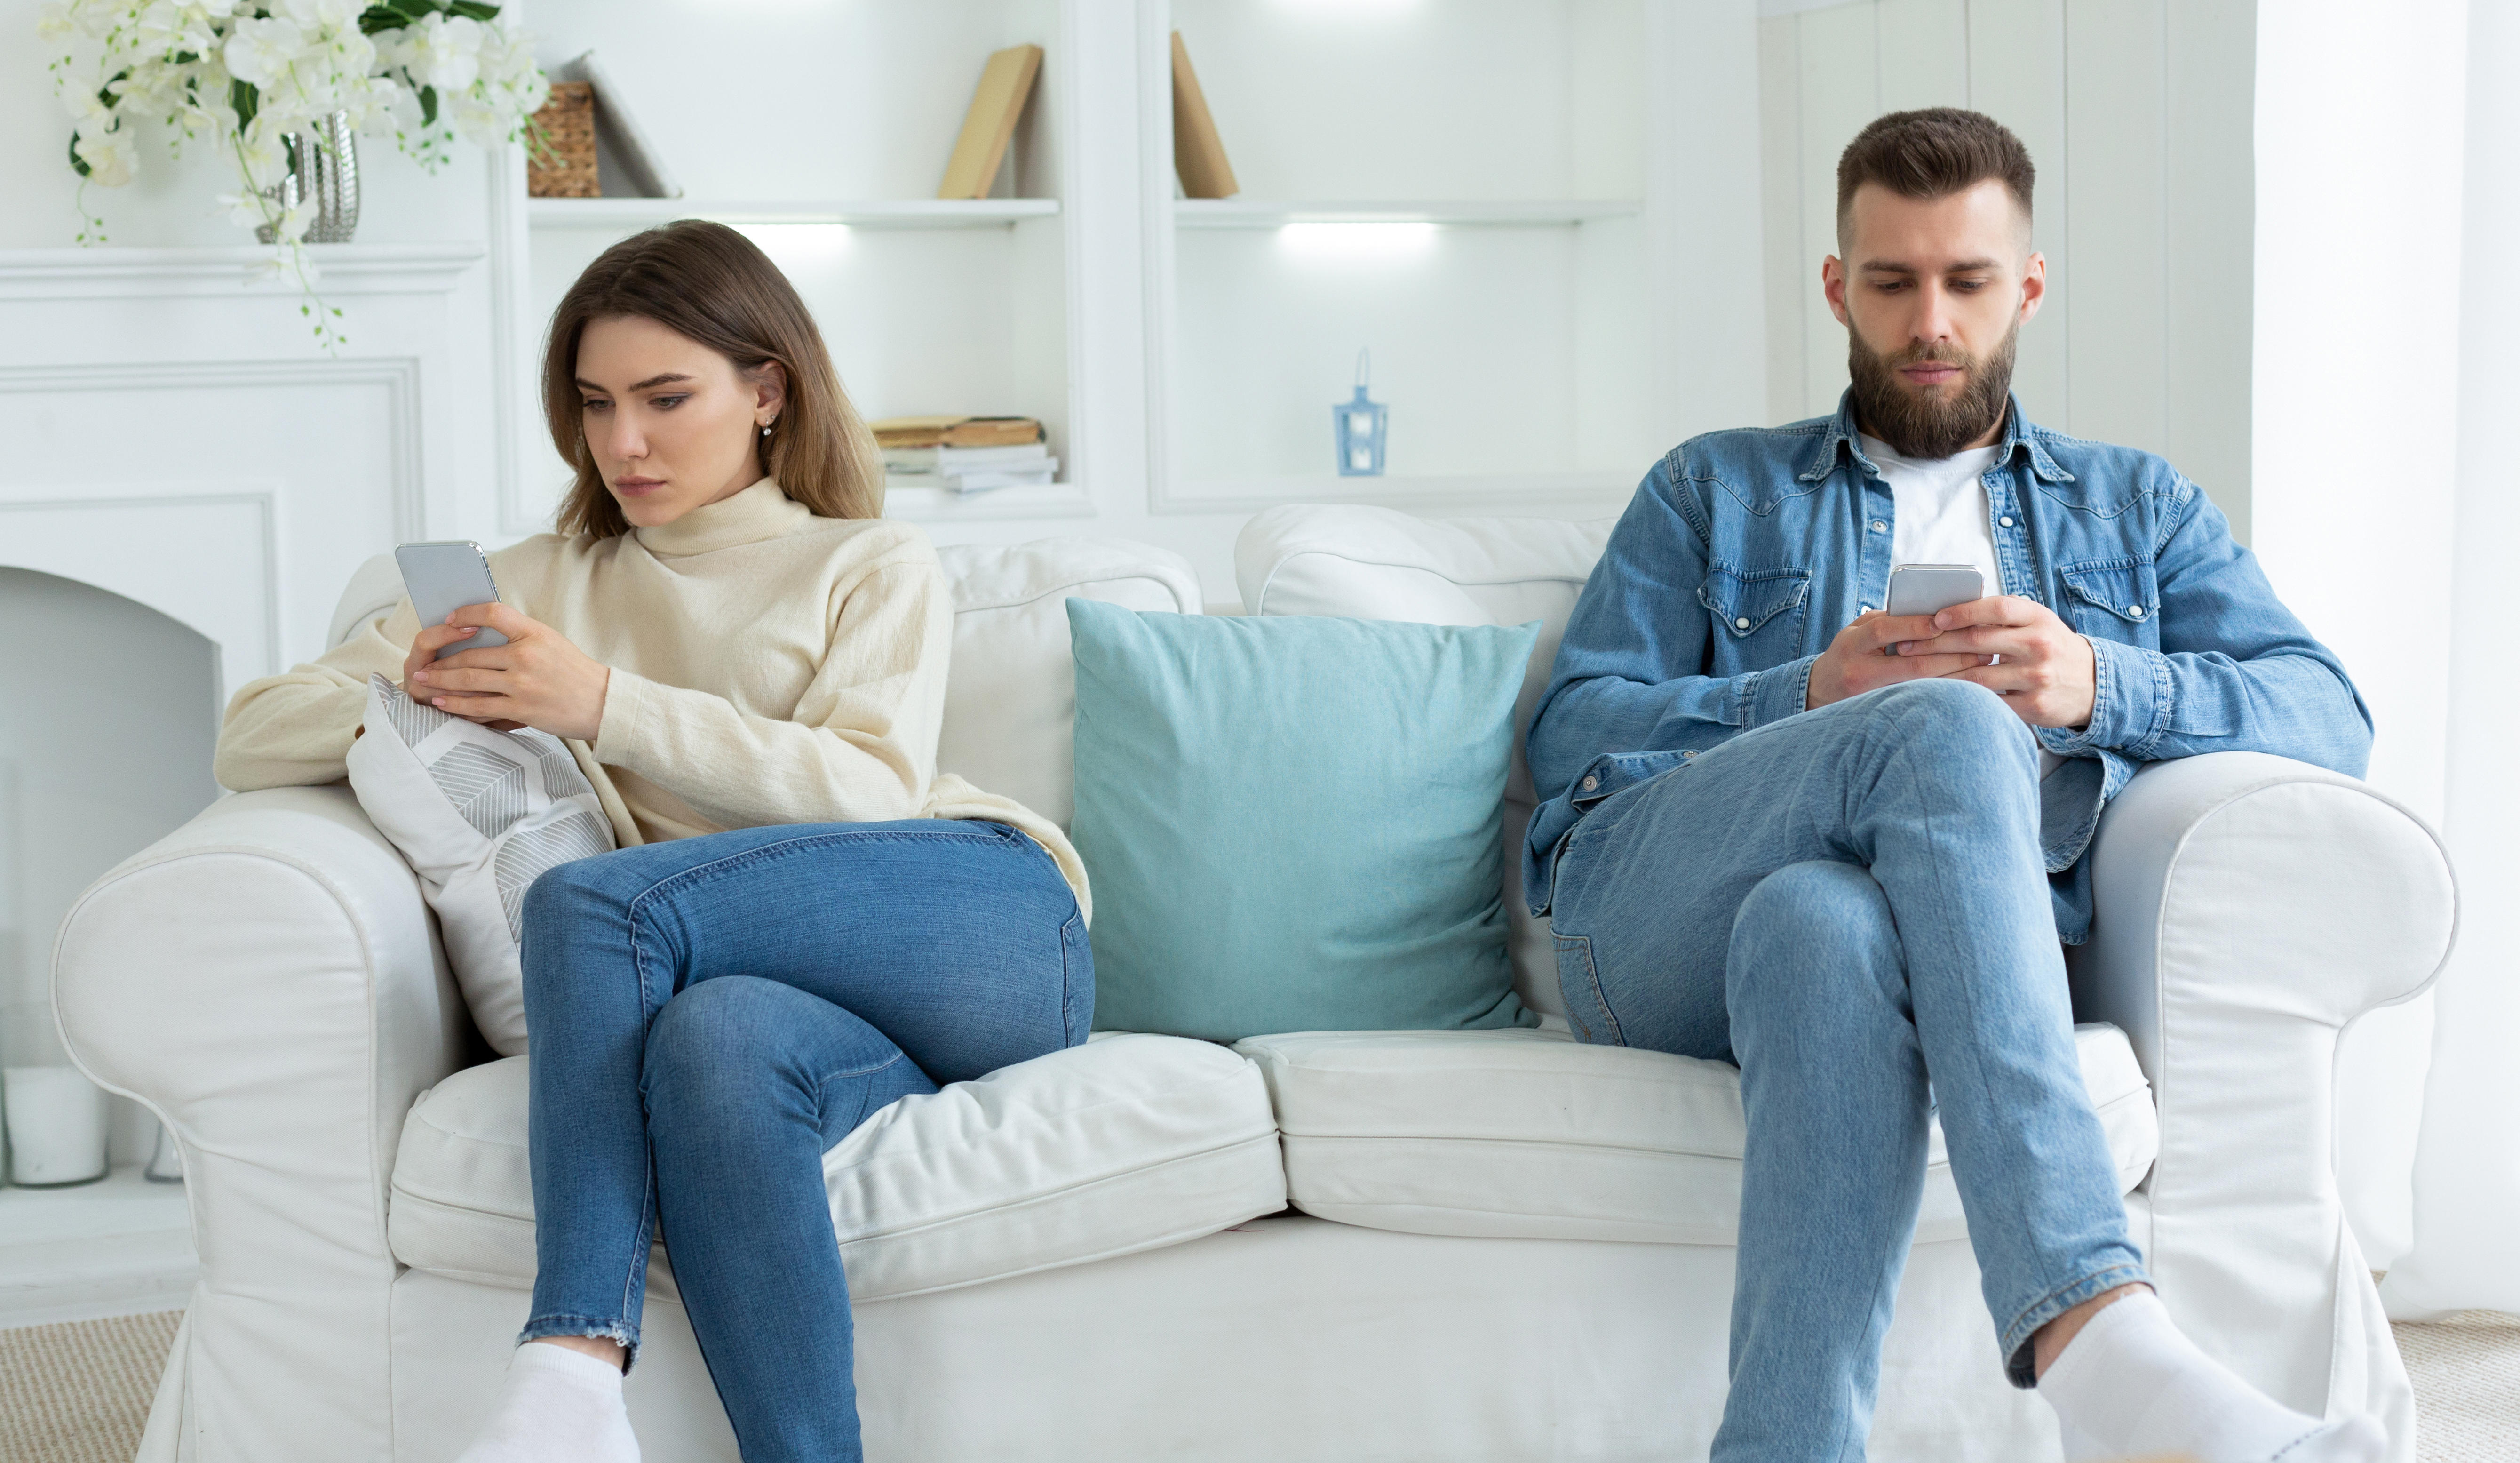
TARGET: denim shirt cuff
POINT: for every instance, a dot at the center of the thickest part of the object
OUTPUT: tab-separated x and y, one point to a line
2131	697
1775	692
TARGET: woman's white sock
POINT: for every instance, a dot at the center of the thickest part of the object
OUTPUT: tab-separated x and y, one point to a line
2131	1384
557	1405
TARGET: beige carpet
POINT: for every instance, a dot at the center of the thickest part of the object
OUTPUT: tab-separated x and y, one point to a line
80	1392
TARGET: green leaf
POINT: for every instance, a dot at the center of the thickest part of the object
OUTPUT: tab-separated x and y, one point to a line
473	10
428	105
418	10
376	19
77	162
247	101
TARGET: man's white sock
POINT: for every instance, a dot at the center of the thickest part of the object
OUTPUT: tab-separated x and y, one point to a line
2131	1384
557	1405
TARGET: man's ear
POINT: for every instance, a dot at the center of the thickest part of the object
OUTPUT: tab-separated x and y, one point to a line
1832	287
2034	283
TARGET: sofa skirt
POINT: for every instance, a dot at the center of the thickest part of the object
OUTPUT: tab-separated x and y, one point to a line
1285	1338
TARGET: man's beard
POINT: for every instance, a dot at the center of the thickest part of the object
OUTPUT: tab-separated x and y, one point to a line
1930	423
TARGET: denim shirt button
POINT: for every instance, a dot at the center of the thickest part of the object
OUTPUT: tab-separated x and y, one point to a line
1591	783
1741	622
2136	610
1880	526
2004	522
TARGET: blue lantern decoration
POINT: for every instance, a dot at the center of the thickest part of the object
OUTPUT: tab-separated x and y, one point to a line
1360	426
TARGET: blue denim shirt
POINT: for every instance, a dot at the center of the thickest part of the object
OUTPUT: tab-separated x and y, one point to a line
1744	552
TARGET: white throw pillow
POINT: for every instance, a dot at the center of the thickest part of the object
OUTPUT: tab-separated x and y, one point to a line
480	813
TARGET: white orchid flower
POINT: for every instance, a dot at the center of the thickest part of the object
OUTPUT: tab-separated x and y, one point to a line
111	158
445	52
246	209
479	122
53	23
293	220
260	52
322	14
87	110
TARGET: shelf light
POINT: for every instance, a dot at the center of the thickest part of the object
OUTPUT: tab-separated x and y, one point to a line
1356	239
794	245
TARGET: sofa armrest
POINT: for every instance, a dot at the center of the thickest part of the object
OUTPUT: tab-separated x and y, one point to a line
268	980
2246	908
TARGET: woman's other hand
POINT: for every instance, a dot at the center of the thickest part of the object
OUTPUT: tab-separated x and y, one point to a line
537	679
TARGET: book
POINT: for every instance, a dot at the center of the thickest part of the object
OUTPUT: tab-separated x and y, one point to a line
1005	84
620	132
955	432
962	459
978	478
1198	153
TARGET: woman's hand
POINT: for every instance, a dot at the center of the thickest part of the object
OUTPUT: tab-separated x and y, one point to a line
537	679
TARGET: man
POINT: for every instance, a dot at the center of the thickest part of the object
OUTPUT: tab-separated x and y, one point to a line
1838	847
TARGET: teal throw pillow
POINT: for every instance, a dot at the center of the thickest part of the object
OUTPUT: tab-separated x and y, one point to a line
1295	824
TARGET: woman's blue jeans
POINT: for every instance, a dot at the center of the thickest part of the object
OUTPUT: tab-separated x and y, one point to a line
1850	903
708	1016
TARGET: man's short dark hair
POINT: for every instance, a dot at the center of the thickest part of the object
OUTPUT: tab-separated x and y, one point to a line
1932	154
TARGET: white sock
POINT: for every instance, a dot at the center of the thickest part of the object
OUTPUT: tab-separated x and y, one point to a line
557	1407
2130	1384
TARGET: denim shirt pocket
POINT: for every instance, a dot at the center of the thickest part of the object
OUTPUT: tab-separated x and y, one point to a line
2114	599
1758	614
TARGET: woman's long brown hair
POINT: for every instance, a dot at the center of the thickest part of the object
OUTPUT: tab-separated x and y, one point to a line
710	283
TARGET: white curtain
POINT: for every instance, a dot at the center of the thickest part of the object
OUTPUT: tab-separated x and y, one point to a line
2386	390
2467	1168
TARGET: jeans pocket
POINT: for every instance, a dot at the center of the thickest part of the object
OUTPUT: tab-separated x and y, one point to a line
1579	985
1076	957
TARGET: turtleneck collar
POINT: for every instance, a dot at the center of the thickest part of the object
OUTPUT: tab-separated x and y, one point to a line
758	513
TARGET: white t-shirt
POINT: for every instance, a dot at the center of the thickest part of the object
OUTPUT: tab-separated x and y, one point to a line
1942	517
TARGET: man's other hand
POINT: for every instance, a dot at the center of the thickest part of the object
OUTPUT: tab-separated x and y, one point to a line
2043	669
1864	656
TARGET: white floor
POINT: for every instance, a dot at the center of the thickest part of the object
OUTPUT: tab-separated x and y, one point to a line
121	1245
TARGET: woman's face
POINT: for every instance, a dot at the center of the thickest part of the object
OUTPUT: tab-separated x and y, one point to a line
672	424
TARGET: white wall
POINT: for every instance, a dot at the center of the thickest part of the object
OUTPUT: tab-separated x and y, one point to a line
2136	114
2360	124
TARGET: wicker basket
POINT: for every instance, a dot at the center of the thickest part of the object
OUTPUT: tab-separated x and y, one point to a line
568	120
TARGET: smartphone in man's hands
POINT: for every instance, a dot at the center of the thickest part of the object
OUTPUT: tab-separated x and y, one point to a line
1931	588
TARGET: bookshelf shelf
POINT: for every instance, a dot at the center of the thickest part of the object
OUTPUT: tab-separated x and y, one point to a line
881	214
1256	213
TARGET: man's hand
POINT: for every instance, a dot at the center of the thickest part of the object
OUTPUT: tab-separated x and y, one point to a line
1863	657
2045	671
537	679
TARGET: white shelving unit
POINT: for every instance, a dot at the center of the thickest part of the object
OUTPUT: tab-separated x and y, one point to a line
1492	196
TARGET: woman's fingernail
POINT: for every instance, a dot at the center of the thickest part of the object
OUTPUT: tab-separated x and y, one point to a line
438	701
420	675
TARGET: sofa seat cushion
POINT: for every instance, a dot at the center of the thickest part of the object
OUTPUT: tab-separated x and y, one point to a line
1533	1135
1126	1143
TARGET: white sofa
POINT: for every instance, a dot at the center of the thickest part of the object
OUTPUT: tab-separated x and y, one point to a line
1502	1244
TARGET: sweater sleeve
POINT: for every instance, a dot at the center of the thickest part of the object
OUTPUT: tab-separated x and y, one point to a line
860	746
294	729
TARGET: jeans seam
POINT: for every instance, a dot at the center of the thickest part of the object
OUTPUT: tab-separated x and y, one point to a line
1067	981
1591	978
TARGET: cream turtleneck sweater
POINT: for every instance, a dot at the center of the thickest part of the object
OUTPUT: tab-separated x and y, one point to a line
768	666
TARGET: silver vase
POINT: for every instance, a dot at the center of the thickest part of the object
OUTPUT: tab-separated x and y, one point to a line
323	166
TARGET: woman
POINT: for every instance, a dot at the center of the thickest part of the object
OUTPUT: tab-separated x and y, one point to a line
804	921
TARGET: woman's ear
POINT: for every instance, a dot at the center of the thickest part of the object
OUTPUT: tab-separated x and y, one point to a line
770	391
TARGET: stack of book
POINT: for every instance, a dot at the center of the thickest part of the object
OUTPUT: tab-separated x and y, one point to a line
963	454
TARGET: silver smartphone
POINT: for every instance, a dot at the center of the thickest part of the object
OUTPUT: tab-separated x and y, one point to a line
1930	588
442	579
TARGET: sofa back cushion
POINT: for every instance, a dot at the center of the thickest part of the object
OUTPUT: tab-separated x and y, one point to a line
1382	563
1011	699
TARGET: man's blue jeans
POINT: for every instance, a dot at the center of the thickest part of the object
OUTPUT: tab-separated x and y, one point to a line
734	1005
1850	903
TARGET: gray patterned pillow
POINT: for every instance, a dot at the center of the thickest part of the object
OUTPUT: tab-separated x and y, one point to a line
481	814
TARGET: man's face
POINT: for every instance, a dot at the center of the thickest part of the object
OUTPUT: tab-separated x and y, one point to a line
1933	293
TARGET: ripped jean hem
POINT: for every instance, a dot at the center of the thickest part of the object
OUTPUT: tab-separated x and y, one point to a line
597	1328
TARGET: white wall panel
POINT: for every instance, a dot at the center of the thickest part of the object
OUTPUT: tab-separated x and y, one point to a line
1839	76
2113	253
2210	225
